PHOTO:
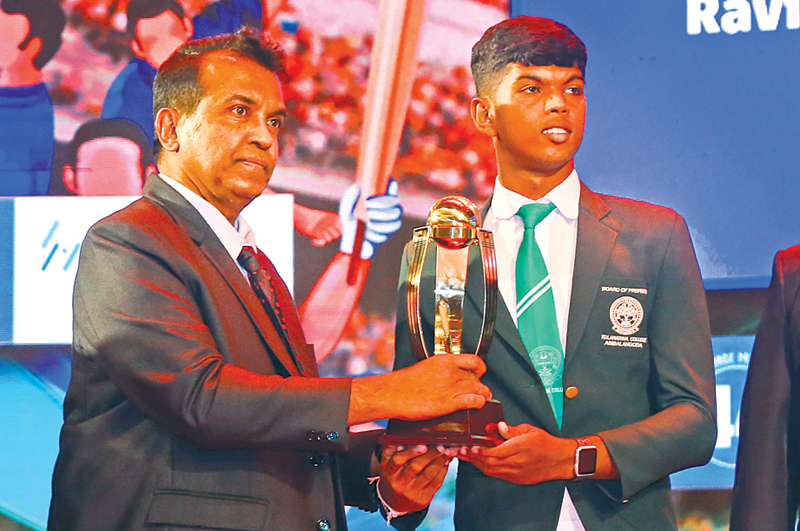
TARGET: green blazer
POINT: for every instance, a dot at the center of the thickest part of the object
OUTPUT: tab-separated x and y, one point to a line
648	392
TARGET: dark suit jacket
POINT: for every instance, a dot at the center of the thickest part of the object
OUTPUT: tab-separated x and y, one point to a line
185	409
651	399
766	495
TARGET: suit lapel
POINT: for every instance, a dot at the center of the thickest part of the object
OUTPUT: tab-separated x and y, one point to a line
240	286
163	194
596	237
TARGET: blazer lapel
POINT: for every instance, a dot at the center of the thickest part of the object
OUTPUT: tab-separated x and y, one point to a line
160	192
596	237
506	330
504	323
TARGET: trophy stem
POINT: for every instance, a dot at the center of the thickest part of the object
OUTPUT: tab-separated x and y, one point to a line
451	280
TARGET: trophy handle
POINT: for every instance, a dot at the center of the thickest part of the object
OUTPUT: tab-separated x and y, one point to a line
420	242
490	289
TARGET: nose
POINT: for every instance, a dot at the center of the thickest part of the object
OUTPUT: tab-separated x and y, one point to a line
263	136
555	103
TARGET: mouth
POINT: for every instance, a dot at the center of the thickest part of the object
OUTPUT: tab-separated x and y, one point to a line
557	135
254	164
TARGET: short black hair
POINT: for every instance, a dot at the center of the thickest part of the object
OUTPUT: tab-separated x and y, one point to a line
47	21
530	41
177	85
116	128
139	9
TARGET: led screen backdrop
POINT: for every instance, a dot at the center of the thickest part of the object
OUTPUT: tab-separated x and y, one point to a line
85	129
693	104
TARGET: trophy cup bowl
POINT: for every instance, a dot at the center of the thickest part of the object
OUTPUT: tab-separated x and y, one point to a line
454	220
453	227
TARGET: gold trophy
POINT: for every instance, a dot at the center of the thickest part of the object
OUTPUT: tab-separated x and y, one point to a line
454	226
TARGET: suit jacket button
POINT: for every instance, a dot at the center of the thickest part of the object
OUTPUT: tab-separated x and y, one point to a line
324	525
571	392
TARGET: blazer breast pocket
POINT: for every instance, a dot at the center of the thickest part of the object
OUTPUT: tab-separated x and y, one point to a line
619	318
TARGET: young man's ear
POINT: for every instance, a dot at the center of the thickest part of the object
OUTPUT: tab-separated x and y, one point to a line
482	112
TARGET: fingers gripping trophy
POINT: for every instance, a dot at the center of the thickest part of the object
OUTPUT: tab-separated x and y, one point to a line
453	228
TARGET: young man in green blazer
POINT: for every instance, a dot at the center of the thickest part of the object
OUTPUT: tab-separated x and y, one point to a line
625	394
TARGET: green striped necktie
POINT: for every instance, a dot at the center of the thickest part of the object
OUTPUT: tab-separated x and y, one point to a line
536	310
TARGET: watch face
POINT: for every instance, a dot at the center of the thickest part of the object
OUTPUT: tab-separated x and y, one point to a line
587	461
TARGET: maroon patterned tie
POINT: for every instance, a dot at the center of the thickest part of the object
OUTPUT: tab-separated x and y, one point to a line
274	296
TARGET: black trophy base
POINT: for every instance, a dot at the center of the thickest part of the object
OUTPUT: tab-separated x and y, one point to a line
466	427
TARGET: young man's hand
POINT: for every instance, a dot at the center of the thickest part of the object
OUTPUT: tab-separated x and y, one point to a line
530	455
526	455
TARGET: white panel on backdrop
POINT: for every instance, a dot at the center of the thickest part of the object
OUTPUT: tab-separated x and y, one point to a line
48	232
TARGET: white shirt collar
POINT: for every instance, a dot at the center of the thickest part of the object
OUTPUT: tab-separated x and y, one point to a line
565	196
232	238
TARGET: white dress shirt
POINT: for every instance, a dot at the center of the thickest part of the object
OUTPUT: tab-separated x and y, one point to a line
556	236
233	238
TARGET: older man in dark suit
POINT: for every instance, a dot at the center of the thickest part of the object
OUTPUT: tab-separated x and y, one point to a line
194	401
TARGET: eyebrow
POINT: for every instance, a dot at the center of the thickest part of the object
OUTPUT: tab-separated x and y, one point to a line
239	97
539	80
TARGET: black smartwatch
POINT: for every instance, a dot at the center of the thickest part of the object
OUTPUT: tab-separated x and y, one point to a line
585	458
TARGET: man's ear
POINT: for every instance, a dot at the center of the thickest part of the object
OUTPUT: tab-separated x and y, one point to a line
482	112
70	180
167	129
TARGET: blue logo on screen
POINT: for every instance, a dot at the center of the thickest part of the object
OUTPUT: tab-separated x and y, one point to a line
54	259
730	368
731	359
